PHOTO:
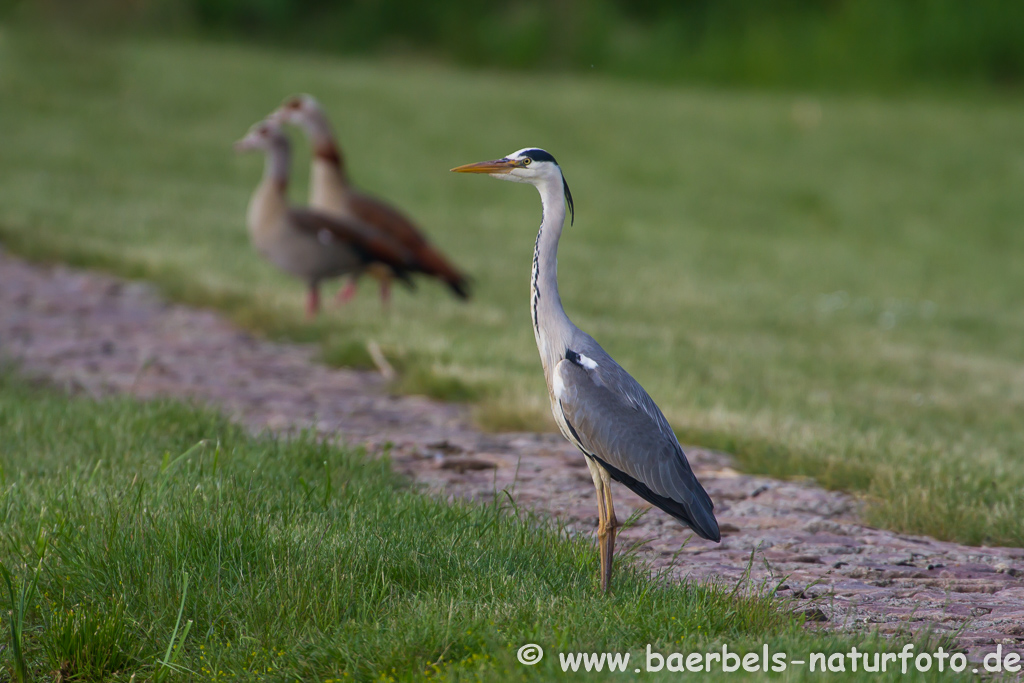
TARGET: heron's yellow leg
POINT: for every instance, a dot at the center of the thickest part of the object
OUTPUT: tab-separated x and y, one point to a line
606	531
606	522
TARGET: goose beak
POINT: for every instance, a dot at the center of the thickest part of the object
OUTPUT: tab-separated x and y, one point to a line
244	145
248	143
495	167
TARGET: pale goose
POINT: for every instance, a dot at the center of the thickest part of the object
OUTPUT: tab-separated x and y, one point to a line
310	244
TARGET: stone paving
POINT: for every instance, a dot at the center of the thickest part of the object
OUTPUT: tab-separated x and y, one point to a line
99	335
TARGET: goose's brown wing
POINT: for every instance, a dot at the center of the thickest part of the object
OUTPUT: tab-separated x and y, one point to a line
373	246
426	258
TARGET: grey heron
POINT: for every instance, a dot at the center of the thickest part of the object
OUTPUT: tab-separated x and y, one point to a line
309	244
598	406
331	191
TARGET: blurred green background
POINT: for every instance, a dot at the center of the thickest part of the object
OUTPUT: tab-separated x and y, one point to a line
882	44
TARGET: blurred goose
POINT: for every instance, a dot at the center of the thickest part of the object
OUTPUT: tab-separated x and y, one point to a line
331	191
309	244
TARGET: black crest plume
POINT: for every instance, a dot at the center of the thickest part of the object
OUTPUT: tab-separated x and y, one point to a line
568	198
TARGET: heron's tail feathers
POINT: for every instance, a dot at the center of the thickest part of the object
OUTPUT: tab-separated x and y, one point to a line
702	520
695	510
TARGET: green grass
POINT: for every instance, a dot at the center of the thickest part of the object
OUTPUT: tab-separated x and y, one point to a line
159	532
828	288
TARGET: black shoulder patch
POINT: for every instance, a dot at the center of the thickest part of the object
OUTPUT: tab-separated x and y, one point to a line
573	357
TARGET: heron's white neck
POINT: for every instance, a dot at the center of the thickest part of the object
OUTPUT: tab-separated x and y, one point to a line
551	326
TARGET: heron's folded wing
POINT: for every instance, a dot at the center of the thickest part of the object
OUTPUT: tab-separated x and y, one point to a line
616	422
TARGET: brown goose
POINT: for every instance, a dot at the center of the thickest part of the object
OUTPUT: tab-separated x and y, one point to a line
331	191
309	244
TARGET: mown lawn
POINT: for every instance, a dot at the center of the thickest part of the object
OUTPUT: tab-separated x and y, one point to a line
161	533
829	288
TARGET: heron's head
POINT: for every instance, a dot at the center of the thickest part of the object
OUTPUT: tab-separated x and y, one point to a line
303	111
529	165
264	135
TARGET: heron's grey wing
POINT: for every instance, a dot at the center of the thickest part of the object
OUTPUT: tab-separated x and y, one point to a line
615	421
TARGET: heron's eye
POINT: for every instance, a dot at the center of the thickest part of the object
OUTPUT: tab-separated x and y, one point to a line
527	161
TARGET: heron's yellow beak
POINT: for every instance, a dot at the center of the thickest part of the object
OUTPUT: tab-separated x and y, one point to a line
493	167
